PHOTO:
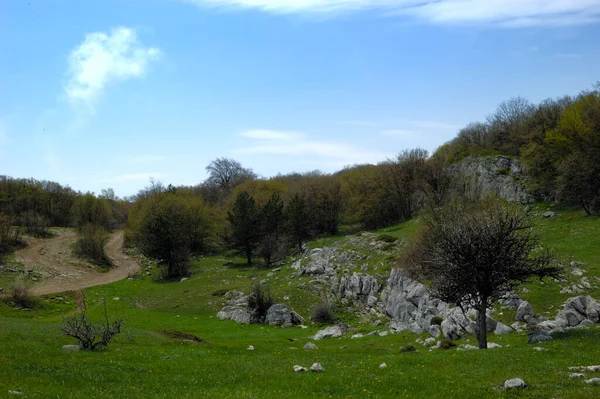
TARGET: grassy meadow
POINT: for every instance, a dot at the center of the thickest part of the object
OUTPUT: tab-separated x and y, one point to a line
148	360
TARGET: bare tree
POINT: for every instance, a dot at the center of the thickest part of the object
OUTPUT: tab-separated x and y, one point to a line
473	254
228	173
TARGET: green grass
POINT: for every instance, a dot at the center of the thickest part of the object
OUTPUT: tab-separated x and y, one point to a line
154	357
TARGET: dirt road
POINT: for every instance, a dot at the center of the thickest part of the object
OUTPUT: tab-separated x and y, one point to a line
62	271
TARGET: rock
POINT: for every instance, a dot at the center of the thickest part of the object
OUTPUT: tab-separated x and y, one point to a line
297	320
450	329
515	383
539	349
384	333
356	336
502	329
371	301
434	330
250	348
317	368
243	316
383	366
331	332
183	279
359	287
279	315
493	345
548	215
593	368
467	347
523	310
577	271
310	346
593	381
298	368
576	375
539	337
429	342
73	348
15	393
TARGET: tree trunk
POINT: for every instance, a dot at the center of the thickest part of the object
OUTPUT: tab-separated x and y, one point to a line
300	246
482	324
249	256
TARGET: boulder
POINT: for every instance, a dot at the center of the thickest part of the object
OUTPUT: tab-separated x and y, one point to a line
279	315
359	287
451	329
548	215
593	381
515	383
317	368
310	346
539	336
383	365
331	332
523	310
493	345
435	330
502	329
298	368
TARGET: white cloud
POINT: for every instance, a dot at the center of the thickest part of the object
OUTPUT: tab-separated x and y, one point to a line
105	57
508	13
331	153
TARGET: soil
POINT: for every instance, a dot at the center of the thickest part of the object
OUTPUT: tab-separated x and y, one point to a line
61	270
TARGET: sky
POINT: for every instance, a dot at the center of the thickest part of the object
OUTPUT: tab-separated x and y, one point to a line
101	94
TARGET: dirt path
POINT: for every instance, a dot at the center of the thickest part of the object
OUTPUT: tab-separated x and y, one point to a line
62	271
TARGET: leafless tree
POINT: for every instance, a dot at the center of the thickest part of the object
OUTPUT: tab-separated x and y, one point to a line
473	254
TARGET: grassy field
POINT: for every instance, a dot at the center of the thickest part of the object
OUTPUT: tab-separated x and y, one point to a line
146	362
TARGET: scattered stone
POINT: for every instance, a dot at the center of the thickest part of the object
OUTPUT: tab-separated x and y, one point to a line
383	366
593	368
493	345
298	368
250	348
373	333
539	349
435	330
577	272
576	375
429	342
331	332
515	383
384	333
356	336
593	381
317	368
183	279
15	393
467	347
502	329
523	310
310	346
548	215
72	348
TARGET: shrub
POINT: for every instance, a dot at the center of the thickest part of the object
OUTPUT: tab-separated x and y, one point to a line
408	348
260	300
20	294
437	320
322	313
91	336
91	244
220	292
447	344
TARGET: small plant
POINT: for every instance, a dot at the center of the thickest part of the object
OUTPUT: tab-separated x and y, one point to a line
447	344
220	292
437	320
260	300
20	294
408	348
90	336
322	313
91	244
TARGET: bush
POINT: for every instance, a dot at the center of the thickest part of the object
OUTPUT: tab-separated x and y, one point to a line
408	348
322	313
437	320
91	244
20	293
260	300
447	344
91	336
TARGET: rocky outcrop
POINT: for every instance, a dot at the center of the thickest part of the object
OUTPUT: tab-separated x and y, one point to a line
499	175
331	332
359	287
577	311
236	309
280	315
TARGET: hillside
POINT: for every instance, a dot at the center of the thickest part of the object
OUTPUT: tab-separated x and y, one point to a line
147	361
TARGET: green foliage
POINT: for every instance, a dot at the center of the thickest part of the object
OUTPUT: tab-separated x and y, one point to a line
408	348
20	294
245	223
91	336
298	219
386	238
322	313
88	209
437	320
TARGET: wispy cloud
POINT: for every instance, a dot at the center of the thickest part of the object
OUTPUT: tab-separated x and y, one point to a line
399	133
330	153
135	177
506	13
103	58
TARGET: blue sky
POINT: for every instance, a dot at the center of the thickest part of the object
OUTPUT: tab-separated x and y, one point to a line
108	93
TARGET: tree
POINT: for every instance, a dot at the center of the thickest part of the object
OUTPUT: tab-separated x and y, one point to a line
228	173
473	254
272	219
244	222
298	219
